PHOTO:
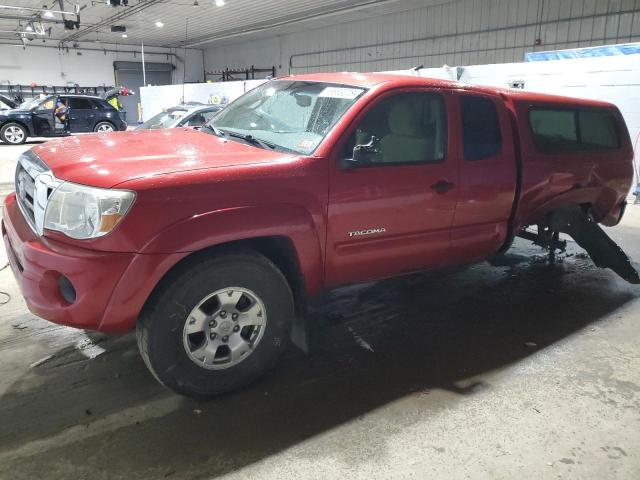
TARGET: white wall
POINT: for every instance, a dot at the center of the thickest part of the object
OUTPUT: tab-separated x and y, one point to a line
86	67
461	32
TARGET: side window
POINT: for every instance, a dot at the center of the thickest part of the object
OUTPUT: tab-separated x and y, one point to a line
598	130
554	130
406	128
79	103
208	116
573	130
49	104
481	133
196	120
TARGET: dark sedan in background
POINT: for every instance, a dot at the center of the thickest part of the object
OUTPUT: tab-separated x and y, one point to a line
35	118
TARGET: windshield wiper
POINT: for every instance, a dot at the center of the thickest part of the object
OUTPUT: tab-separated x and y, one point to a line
252	140
216	131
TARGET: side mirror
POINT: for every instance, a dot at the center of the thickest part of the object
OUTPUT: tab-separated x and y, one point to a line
362	153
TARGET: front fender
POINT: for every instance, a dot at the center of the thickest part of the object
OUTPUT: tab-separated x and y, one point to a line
242	223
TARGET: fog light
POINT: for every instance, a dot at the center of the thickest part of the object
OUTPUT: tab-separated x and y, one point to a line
66	289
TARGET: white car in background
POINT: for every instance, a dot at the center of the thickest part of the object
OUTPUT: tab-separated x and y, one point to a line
187	115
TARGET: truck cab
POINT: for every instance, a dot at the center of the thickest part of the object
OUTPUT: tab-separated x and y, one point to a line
208	243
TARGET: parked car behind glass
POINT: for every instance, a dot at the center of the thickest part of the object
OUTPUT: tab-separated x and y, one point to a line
195	116
35	118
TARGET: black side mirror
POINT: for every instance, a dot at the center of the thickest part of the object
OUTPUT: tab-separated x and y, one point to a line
362	153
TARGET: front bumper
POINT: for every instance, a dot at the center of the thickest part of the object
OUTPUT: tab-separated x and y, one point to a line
110	288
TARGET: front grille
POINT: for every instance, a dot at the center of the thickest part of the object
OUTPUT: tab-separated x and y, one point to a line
34	184
25	193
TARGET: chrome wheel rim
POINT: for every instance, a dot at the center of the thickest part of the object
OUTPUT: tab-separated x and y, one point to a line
105	128
224	328
14	134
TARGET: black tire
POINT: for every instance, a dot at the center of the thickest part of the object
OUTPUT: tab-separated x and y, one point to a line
7	133
160	327
96	129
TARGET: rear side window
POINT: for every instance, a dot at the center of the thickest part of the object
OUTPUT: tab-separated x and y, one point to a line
480	128
598	130
80	103
567	131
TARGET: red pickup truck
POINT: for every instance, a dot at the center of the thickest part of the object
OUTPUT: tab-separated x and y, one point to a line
209	243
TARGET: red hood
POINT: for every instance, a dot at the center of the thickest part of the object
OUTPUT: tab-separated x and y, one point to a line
105	160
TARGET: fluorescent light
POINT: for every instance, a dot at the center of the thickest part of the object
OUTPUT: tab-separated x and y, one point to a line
159	24
124	35
220	3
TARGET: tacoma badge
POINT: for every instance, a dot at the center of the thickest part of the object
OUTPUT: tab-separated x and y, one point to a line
370	231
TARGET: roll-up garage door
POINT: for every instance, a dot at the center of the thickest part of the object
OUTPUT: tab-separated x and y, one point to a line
129	74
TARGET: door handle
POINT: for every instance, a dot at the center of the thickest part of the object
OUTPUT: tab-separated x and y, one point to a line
441	187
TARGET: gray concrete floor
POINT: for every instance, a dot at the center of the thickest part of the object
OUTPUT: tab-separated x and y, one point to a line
524	371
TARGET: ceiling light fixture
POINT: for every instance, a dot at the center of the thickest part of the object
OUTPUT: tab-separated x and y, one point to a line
47	14
220	3
29	28
159	24
124	35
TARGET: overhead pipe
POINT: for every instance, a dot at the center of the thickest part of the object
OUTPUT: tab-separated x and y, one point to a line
76	9
106	50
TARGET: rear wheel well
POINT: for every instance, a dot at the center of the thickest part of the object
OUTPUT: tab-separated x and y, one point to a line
279	250
11	120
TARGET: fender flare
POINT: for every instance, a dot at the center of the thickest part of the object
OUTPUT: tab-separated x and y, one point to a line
601	199
225	226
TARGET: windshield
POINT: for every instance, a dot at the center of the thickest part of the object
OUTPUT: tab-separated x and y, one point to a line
287	115
168	119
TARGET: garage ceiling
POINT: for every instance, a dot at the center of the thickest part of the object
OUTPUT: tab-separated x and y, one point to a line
207	23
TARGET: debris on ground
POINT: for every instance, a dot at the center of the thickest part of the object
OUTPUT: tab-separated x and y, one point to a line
531	344
37	363
359	340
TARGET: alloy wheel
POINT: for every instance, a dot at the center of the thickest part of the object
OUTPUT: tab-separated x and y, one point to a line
224	328
14	134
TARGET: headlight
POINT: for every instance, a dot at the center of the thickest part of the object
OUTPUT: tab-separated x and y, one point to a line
85	212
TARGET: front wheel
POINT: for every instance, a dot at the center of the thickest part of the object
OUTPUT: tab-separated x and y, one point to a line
104	127
217	325
13	134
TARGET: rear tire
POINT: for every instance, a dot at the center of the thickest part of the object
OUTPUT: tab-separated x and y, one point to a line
218	324
104	127
13	133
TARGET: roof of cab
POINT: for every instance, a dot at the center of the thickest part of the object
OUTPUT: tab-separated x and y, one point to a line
369	80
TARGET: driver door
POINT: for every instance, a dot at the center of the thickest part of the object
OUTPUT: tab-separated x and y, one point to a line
392	213
43	119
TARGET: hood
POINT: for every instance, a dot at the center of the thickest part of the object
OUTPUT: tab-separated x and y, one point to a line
105	160
14	111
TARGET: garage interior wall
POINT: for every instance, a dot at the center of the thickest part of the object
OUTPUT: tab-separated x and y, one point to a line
51	66
462	32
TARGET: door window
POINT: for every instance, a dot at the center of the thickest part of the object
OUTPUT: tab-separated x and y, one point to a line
79	103
481	134
408	128
196	120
